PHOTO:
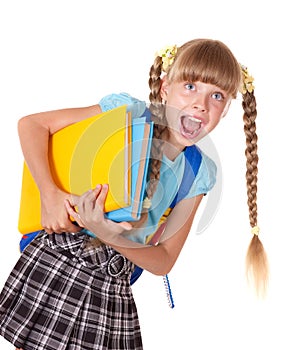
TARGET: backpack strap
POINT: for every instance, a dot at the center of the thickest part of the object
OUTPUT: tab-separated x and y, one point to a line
193	159
147	114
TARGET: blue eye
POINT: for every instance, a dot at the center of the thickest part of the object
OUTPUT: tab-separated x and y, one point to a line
190	86
218	96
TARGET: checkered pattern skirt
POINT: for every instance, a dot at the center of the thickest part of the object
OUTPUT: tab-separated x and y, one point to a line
66	294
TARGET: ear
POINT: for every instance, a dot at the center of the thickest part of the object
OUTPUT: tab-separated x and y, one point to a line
164	89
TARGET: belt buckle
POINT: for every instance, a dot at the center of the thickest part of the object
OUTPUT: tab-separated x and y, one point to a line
114	265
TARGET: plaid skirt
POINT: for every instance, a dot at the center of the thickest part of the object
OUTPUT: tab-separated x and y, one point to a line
66	294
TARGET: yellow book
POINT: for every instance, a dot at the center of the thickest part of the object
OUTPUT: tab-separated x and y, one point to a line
93	151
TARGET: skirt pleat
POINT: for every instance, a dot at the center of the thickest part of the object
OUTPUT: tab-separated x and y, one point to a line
64	293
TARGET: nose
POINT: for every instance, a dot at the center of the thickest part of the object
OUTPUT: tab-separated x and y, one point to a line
200	103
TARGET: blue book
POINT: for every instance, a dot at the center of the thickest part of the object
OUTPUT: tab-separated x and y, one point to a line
142	131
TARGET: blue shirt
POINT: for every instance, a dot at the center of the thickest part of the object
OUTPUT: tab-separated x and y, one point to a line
170	179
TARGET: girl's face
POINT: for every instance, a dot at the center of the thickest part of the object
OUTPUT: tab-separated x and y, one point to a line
193	109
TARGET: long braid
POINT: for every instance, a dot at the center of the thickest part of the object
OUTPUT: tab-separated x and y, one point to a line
250	113
158	114
256	259
157	110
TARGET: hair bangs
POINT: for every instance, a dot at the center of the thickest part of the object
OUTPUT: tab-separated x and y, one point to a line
208	61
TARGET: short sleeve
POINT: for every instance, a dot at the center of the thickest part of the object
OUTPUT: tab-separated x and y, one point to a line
205	178
135	106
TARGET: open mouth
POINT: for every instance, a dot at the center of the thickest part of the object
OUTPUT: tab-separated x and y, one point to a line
190	126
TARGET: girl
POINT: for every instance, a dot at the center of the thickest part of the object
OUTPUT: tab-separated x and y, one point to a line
71	291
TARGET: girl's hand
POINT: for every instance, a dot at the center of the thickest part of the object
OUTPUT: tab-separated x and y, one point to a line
90	214
54	216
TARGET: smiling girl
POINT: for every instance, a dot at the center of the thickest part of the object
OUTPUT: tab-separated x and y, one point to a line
73	291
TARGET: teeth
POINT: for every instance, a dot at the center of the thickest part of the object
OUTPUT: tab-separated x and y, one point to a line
194	119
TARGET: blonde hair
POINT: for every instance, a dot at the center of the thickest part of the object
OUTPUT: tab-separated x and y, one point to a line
211	62
256	258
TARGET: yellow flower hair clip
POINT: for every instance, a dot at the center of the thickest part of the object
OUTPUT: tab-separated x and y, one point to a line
147	203
247	81
168	55
255	230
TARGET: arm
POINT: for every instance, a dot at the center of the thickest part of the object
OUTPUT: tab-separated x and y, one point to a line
34	132
156	259
160	259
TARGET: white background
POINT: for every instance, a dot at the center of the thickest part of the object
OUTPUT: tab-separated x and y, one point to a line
58	53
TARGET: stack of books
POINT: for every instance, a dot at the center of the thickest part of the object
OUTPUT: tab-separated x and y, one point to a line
109	148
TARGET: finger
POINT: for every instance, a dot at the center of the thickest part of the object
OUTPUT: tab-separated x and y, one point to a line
87	201
90	195
102	195
74	199
48	230
71	212
56	229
